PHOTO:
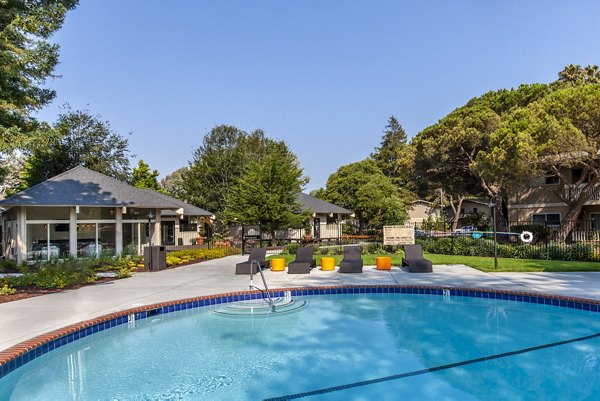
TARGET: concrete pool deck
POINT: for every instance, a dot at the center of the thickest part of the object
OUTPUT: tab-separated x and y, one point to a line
27	318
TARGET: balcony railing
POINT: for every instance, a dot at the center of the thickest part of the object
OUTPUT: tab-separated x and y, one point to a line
574	192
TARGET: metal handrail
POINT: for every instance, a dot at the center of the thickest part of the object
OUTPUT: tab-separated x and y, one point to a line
260	270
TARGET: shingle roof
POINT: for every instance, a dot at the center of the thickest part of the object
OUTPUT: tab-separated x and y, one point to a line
317	205
84	187
188	210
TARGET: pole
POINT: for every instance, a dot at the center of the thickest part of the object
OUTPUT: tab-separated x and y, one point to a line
495	239
150	233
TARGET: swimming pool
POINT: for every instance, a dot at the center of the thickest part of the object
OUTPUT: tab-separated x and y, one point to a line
351	344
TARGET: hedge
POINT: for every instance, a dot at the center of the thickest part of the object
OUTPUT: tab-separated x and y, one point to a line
189	255
485	247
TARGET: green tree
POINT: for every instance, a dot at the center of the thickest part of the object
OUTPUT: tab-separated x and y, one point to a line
556	134
451	146
81	139
27	60
218	163
319	193
266	192
574	74
142	177
363	188
173	183
395	156
378	202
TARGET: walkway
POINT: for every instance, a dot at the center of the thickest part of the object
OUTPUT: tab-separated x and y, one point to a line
27	318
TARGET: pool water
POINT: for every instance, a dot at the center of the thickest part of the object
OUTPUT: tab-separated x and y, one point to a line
367	346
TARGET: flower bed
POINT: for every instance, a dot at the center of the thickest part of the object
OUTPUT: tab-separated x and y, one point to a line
186	256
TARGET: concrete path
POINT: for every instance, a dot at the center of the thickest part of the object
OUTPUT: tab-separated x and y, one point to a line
27	318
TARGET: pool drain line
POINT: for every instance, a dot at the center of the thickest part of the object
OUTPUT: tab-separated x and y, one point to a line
430	370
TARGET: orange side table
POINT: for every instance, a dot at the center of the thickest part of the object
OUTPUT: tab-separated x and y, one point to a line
278	265
327	263
383	262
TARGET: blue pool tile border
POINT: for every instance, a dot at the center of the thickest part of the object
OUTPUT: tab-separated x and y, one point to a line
23	353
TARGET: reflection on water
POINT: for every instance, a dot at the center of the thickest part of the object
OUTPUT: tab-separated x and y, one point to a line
335	341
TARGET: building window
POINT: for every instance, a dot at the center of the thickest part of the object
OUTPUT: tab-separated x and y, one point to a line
547	219
47	241
332	219
132	213
96	239
576	176
47	213
551	180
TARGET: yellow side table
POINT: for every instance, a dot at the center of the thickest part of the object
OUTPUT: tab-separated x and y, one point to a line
327	263
383	262
278	264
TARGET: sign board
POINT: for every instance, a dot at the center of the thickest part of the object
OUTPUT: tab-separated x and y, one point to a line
398	235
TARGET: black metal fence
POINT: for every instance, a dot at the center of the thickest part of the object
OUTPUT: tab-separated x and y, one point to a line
522	240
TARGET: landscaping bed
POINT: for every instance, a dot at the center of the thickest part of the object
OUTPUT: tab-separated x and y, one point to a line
40	278
190	256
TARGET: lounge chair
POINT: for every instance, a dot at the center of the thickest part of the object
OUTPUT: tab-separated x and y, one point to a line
304	261
414	260
258	254
352	262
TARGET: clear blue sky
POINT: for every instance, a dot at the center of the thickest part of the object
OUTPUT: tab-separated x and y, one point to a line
322	75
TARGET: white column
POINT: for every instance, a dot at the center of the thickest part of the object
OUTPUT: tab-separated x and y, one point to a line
156	237
119	232
21	235
73	231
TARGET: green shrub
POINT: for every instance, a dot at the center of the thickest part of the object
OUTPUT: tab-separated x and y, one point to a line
8	266
485	247
292	248
5	289
540	232
374	248
188	255
124	272
55	274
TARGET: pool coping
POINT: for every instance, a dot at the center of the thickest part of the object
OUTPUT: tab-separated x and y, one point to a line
18	355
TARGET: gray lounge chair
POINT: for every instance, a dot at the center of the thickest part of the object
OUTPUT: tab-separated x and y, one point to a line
304	261
258	254
352	262
414	260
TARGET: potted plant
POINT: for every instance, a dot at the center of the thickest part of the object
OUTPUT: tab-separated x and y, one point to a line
307	236
201	235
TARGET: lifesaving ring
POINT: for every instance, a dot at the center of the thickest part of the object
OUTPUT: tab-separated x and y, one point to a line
526	237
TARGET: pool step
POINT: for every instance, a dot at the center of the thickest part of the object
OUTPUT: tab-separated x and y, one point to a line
259	307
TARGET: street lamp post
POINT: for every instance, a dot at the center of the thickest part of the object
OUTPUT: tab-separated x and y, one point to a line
150	232
492	205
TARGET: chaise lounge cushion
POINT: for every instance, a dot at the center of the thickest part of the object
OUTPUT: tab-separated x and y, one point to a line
352	262
258	254
304	261
414	260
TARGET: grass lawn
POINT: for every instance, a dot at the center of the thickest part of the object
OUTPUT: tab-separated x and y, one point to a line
486	264
481	263
368	260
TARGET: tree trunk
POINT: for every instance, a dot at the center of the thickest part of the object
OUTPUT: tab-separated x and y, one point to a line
568	224
501	224
456	211
576	200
